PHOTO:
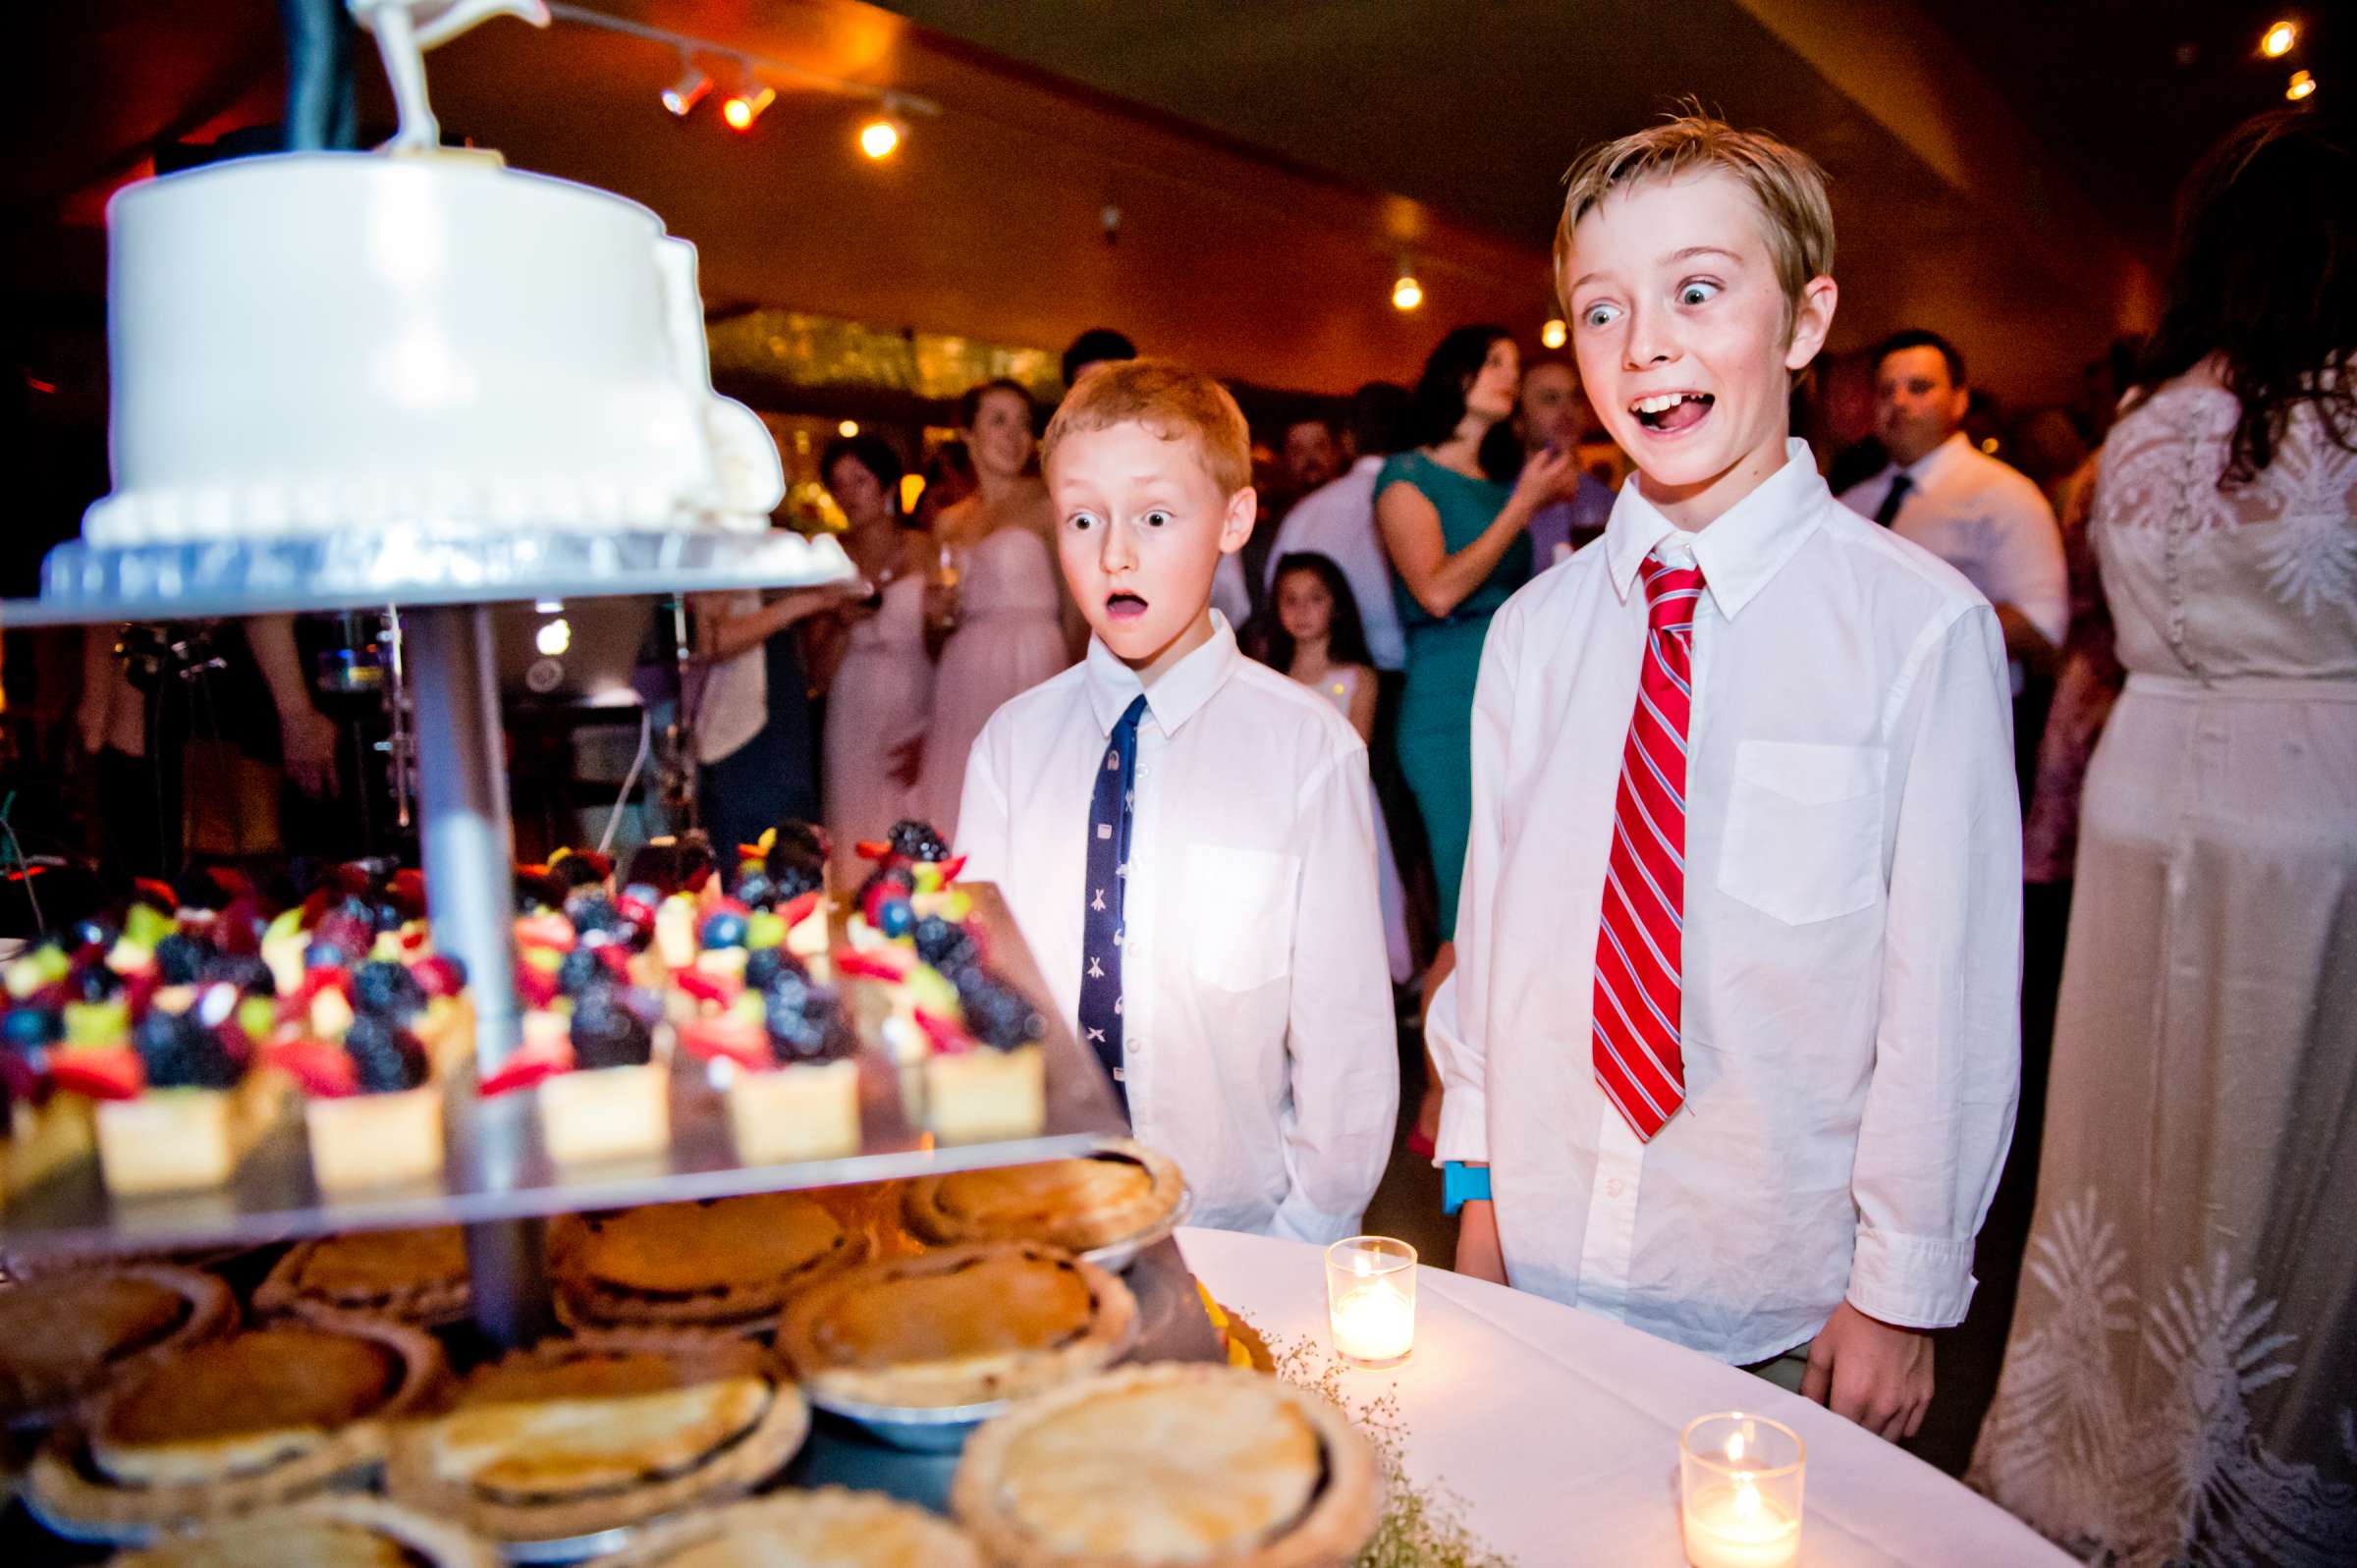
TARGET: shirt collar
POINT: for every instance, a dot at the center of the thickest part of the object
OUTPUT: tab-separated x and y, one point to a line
1742	550
1176	693
1939	456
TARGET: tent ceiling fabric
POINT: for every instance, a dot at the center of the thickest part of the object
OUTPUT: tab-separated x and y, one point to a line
1271	160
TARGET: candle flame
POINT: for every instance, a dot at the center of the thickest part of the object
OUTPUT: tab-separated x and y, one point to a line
1734	1449
1747	1498
1360	1266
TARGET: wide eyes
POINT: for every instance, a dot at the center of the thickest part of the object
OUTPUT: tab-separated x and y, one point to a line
1599	315
1696	292
1156	518
1081	521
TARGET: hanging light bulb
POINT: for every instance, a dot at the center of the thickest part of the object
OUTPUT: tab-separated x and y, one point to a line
1554	334
743	106
880	136
2277	40
1406	291
2302	85
686	94
847	429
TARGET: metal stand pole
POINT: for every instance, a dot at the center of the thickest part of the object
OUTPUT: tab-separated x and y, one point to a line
461	788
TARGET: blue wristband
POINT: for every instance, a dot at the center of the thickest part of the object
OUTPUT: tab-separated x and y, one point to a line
1461	1184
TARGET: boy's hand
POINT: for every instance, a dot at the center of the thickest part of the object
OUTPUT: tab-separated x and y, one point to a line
1478	1255
1876	1373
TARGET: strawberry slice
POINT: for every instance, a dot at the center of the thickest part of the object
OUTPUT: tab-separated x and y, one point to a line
529	1063
156	892
535	987
874	850
797	910
715	989
102	1072
546	930
727	1035
324	1070
950	868
438	976
882	964
947	1035
617	959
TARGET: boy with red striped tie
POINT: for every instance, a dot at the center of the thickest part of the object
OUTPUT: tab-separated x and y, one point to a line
1731	1049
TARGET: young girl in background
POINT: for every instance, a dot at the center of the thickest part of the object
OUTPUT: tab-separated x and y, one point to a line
1319	641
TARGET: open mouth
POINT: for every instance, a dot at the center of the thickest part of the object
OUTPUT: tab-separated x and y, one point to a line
1669	412
1125	606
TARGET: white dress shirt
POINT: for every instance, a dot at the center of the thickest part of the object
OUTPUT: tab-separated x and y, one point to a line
1338	520
1852	940
1257	1038
1987	520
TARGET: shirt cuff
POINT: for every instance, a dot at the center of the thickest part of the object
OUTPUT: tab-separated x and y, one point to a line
1465	1127
1296	1220
1911	1281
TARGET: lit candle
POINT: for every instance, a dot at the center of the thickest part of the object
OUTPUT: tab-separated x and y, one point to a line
1740	1481
1371	1300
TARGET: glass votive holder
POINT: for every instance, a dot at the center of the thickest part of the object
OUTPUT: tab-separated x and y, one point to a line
1739	1490
1371	1300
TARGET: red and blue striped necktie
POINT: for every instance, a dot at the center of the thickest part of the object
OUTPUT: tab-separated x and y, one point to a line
1640	1059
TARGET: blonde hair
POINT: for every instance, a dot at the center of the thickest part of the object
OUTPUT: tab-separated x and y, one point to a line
1785	180
1172	402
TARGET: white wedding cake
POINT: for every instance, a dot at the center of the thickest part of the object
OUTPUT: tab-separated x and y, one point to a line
321	343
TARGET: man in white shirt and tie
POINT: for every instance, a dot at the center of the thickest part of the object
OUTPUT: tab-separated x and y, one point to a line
1987	520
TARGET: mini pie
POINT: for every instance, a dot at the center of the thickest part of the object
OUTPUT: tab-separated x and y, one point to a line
718	1261
1175	1463
62	1335
829	1528
234	1425
577	1435
964	1325
331	1531
1118	1192
413	1276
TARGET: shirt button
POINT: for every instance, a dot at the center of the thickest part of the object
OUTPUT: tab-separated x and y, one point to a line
1614	1187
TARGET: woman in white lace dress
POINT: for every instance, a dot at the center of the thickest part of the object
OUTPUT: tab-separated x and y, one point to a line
2180	1387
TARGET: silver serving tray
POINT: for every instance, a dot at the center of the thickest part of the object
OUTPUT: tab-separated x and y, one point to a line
86	1532
569	1548
1115	1257
939	1430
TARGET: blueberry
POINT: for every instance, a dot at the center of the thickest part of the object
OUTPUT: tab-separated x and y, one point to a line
894	917
178	1053
999	1015
724	928
387	1057
608	1034
944	944
764	965
756	890
590	910
30	1027
387	917
324	955
93	934
387	988
916	841
580	970
179	959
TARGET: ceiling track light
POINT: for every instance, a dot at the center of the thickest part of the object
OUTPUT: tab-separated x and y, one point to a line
2279	39
682	95
880	136
2300	86
742	107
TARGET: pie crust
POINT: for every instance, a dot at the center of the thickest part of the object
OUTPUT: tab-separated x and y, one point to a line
261	1417
572	1437
1122	1191
718	1262
1178	1462
964	1325
417	1277
62	1335
344	1530
826	1528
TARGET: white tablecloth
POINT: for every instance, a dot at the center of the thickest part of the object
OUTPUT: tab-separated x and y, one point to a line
1559	1427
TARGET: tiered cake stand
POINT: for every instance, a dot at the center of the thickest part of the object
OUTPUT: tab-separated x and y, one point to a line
499	1182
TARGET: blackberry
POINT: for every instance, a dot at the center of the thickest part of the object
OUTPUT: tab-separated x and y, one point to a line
764	965
537	890
199	888
387	988
672	866
944	945
916	841
590	909
387	1057
889	876
805	1024
93	982
806	842
581	868
179	959
608	1034
755	890
244	970
178	1053
999	1015
790	879
580	970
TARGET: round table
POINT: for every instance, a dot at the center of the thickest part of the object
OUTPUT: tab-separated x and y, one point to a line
1559	1427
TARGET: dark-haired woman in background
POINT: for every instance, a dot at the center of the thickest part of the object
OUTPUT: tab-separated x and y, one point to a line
1016	624
1453	512
2180	1380
881	690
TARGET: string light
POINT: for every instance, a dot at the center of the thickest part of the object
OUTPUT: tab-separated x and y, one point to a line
1554	334
2277	40
880	137
1406	291
682	95
2302	85
847	429
743	106
912	490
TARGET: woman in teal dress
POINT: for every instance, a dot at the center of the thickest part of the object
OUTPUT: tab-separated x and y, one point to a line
1454	513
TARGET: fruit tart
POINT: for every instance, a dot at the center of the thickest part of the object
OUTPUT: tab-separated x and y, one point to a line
597	1062
1184	1462
177	1105
713	1263
828	1527
576	1435
65	1335
785	1055
987	1076
227	1426
414	1277
339	1531
919	861
372	1108
1120	1191
964	1325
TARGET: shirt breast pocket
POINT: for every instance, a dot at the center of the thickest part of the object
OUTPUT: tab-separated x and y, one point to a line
1804	830
1240	905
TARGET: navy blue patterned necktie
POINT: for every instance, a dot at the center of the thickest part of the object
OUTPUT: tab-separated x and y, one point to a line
1108	877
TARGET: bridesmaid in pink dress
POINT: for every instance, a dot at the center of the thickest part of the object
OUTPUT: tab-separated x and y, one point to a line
1016	624
882	691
